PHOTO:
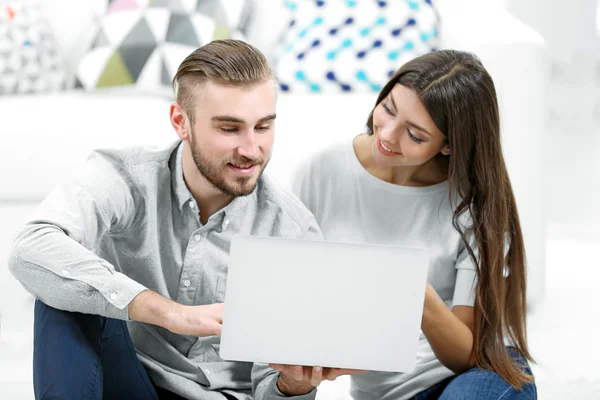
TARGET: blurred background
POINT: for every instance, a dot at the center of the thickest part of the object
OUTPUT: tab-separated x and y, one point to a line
81	74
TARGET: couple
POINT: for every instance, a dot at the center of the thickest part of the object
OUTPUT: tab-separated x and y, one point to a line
128	260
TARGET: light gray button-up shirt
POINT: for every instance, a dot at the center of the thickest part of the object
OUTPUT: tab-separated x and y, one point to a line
127	222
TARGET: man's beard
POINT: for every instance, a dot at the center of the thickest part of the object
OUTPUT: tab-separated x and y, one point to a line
214	173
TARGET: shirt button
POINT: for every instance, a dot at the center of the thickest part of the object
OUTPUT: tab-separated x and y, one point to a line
207	371
65	272
196	237
225	223
187	283
113	296
191	203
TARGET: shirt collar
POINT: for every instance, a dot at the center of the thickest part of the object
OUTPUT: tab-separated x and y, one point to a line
179	187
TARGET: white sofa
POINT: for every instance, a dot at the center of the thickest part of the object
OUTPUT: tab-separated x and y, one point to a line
44	137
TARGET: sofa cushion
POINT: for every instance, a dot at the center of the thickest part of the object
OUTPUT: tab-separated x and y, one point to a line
140	43
29	58
39	153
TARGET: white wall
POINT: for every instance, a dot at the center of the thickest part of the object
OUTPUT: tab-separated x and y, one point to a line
569	27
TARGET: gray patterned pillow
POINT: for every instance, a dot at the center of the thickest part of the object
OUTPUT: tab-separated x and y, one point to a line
140	44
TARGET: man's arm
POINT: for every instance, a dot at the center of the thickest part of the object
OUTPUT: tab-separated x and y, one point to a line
54	256
65	275
152	308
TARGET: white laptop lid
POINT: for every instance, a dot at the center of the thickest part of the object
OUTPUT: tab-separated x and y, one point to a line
326	304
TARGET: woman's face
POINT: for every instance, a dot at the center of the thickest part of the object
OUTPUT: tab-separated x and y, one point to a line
404	133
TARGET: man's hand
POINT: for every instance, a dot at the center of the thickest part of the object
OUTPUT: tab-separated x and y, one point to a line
152	308
197	320
295	380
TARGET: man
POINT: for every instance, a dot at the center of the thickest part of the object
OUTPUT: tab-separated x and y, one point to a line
128	260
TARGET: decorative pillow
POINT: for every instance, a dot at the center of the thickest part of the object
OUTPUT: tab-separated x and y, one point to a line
350	45
139	44
29	58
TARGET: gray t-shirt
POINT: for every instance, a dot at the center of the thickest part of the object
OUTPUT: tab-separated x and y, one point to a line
352	205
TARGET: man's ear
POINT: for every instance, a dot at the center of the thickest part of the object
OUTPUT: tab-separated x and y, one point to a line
446	149
178	121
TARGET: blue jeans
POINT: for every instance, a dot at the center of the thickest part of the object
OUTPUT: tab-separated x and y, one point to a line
82	356
478	384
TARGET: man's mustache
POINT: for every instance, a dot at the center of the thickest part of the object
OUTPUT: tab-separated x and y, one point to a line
245	161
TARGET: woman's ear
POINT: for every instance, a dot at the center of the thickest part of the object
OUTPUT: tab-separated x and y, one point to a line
446	149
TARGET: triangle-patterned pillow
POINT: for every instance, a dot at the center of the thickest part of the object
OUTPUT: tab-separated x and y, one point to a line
139	44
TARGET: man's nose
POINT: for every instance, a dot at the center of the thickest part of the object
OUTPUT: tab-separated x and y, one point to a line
249	147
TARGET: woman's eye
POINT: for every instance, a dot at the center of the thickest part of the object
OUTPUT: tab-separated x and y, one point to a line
387	109
413	137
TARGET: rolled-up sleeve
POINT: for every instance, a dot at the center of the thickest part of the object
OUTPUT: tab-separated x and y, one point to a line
54	255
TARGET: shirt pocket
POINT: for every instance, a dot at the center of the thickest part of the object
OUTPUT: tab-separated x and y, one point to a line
220	288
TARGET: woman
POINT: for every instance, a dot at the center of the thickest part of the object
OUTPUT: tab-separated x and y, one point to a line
430	172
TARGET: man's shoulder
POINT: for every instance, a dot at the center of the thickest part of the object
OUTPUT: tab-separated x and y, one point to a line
132	159
274	196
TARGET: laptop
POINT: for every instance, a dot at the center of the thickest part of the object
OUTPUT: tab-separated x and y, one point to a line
320	303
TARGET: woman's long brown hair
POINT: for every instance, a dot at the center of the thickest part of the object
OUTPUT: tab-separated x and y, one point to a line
460	97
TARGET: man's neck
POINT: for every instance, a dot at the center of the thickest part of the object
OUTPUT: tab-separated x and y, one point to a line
209	198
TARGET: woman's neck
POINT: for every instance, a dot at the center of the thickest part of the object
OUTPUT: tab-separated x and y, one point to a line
430	173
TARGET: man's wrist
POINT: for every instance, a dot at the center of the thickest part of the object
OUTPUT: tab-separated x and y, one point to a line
293	388
152	308
172	315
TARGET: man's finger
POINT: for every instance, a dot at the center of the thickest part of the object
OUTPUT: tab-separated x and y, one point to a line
330	374
297	372
342	371
334	373
278	367
316	376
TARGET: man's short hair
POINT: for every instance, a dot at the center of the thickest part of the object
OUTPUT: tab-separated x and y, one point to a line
225	62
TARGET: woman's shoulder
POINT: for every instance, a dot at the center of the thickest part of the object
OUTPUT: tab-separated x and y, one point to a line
334	152
327	160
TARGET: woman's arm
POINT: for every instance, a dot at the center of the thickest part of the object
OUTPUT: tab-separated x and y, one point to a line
450	333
